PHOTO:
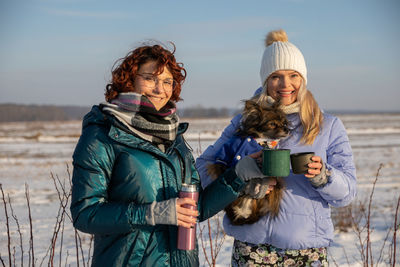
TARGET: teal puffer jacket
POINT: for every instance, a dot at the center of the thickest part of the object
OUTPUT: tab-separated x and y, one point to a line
117	175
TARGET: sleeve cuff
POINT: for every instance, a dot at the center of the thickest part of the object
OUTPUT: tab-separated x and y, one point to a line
163	212
321	179
232	179
247	168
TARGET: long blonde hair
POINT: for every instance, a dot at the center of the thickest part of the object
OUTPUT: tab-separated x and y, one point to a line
310	114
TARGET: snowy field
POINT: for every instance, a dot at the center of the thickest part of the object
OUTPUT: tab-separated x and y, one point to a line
31	152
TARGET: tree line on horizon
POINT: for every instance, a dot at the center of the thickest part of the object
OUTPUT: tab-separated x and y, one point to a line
10	112
19	112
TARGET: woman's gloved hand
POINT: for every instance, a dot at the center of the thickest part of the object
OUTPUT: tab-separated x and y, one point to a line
248	169
172	212
317	172
258	184
163	212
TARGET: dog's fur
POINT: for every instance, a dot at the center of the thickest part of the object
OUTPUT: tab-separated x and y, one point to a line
258	122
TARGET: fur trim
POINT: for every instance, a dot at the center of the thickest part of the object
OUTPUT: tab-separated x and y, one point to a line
276	36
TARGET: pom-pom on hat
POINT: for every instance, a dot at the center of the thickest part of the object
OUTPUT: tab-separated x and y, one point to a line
280	54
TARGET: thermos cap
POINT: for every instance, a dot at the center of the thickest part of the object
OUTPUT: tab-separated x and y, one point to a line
189	188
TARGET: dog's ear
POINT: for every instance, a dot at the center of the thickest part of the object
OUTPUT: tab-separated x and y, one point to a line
251	115
251	108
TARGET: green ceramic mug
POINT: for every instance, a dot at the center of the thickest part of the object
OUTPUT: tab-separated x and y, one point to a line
276	162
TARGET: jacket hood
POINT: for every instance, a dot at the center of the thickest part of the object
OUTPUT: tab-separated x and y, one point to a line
95	116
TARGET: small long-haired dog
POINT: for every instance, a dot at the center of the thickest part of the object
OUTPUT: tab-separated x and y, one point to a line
264	124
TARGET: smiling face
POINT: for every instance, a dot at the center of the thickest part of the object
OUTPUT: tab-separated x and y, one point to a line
284	85
157	88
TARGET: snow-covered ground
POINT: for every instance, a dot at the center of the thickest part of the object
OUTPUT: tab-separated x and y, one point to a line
31	152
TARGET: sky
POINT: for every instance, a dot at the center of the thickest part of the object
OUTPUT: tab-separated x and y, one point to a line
62	52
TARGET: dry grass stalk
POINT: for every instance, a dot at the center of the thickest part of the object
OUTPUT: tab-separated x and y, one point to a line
396	227
57	240
31	247
7	226
203	245
369	258
76	247
19	231
62	211
2	261
214	248
90	248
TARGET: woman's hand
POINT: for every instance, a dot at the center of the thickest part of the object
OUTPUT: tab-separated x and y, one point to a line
314	168
258	157
271	185
185	216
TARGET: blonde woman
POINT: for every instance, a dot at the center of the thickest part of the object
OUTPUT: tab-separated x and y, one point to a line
303	229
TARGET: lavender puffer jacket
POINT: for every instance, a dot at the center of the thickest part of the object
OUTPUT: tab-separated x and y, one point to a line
304	220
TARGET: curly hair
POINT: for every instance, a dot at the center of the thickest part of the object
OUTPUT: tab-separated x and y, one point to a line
125	69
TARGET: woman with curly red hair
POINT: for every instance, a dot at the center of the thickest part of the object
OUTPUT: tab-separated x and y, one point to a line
130	163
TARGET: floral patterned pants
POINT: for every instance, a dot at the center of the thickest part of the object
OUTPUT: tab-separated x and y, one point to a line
246	254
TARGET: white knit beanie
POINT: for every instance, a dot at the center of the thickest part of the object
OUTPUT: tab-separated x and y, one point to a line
279	54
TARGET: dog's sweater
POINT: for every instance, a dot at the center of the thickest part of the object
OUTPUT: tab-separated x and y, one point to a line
236	148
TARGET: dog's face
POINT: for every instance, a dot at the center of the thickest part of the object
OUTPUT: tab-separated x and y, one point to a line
264	122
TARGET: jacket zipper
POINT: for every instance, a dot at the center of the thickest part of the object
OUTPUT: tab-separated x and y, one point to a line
182	165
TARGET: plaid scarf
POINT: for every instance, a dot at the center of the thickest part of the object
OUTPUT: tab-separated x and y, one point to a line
137	113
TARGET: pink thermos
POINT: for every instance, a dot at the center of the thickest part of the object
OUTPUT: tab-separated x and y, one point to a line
187	236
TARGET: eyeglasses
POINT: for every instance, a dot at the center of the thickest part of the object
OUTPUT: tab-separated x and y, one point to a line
151	81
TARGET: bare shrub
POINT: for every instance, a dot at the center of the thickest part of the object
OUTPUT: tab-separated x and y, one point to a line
212	237
57	242
357	217
345	218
